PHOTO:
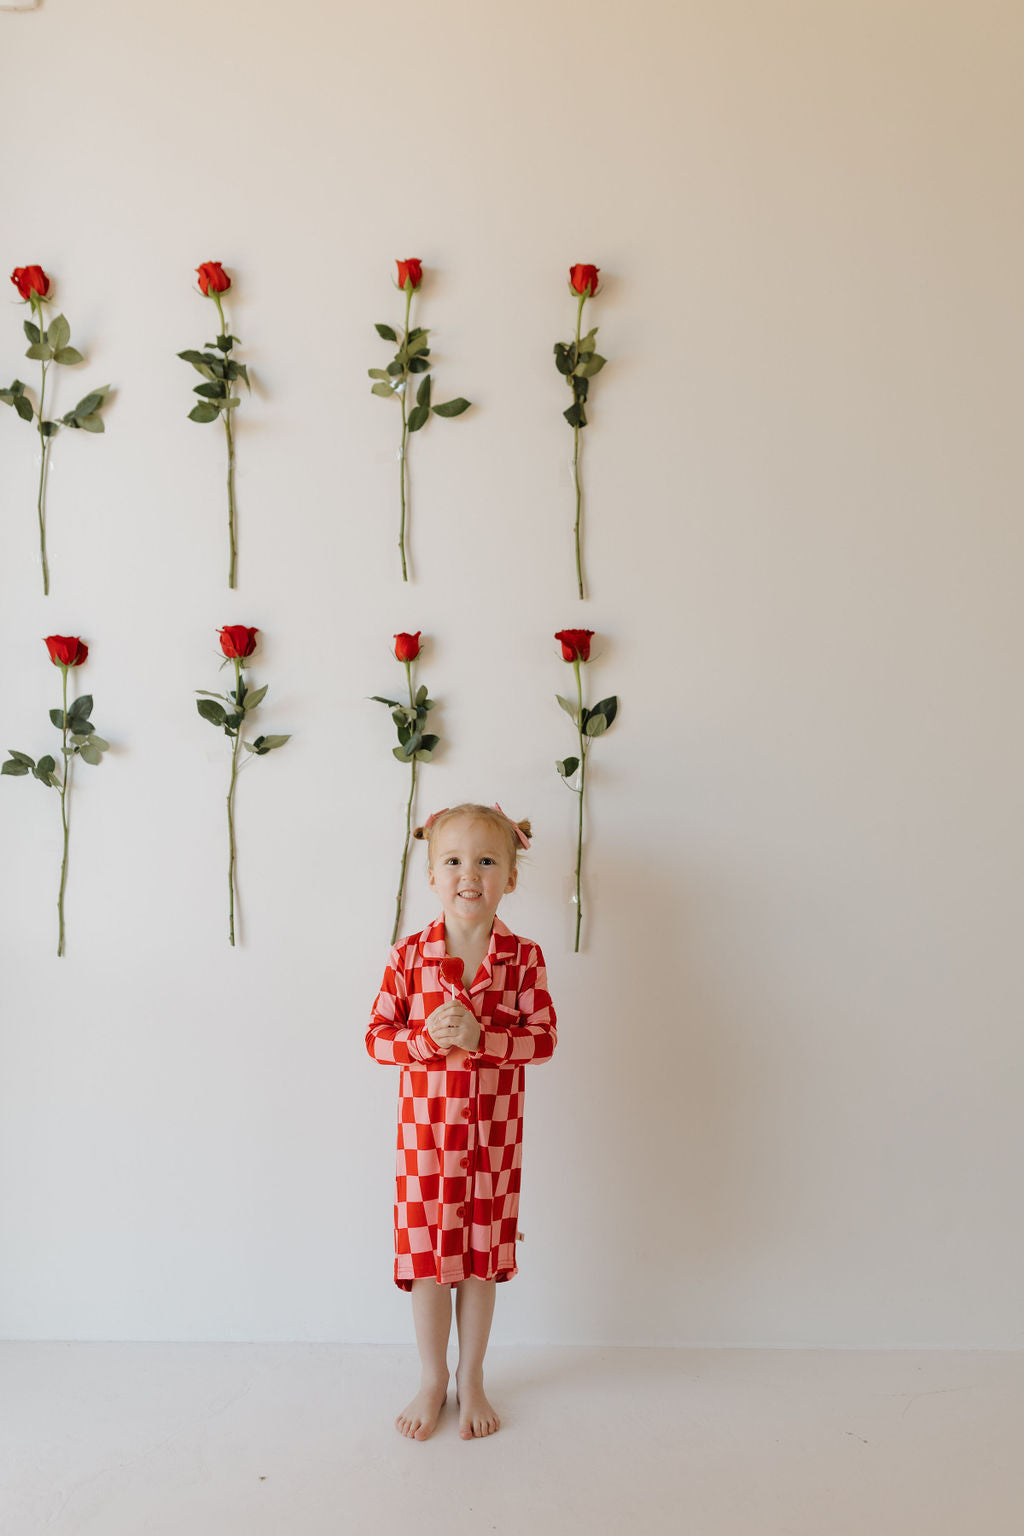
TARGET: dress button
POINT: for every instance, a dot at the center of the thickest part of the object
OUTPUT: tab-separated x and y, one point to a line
465	1113
461	1211
465	1162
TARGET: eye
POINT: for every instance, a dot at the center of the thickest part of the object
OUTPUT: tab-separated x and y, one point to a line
486	859
451	859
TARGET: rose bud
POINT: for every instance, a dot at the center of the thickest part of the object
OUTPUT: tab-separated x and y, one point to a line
236	641
583	278
212	278
66	650
411	272
450	971
29	280
575	644
407	647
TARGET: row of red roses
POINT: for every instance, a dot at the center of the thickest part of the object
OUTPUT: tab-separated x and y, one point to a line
577	360
229	712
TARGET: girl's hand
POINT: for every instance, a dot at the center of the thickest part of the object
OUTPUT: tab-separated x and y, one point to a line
453	1025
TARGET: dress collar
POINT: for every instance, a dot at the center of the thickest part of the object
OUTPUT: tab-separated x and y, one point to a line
501	946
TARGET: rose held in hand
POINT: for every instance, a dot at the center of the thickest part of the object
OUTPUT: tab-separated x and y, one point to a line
66	650
236	640
212	277
29	280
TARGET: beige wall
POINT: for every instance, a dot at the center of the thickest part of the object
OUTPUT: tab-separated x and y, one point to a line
786	1105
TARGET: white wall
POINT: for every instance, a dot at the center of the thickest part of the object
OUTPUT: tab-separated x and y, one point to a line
786	1103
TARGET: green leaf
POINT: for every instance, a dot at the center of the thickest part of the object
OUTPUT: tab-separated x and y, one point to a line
91	402
14	768
416	344
386	333
39	351
270	742
427	744
230	404
421	693
417	416
377	373
452	407
568	706
225	343
254	699
22	757
48	428
100	744
418	364
59	333
241	371
596	724
203	413
84	729
567	767
68	356
376	699
384	390
89	423
215	390
23	406
57	717
90	754
563	357
606	707
81	708
587	342
212	711
575	415
44	768
32	331
423	393
593	365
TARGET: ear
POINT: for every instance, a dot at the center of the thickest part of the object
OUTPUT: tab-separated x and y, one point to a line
430	876
513	877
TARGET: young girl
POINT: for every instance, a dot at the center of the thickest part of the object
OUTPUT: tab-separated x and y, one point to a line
462	1007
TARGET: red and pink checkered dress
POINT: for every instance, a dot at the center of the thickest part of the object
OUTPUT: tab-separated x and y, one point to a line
460	1117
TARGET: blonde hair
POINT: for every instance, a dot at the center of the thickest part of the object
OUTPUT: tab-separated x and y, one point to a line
497	818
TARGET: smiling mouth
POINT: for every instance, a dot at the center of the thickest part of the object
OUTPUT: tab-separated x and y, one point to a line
469	895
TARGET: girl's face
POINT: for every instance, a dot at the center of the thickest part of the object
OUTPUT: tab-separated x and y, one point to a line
471	869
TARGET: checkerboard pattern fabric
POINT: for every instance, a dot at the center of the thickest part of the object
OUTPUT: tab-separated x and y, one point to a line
460	1117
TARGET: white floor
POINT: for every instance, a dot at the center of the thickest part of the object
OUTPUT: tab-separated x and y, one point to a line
297	1440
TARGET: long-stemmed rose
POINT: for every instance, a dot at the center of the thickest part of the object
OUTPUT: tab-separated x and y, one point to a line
577	361
414	745
78	739
238	642
216	393
47	345
589	723
413	356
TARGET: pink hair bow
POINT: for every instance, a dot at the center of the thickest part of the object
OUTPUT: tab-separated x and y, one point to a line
524	841
433	817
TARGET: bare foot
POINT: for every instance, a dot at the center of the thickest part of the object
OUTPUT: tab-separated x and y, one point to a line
476	1416
417	1420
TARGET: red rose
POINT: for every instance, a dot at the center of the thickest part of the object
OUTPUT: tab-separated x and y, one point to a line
410	271
575	644
407	647
212	276
66	650
583	279
29	280
237	640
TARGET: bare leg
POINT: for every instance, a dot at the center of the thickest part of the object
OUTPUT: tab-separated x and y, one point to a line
474	1308
432	1316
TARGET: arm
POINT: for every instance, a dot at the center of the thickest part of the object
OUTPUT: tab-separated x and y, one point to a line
390	1039
510	1039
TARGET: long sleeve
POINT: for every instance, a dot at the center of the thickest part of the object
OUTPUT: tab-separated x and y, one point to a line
390	1039
526	1034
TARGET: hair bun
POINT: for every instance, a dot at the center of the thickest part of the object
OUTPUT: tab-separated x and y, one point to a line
419	832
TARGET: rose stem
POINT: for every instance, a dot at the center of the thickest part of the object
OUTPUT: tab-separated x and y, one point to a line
576	452
408	818
231	803
231	456
579	834
405	429
64	815
44	448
